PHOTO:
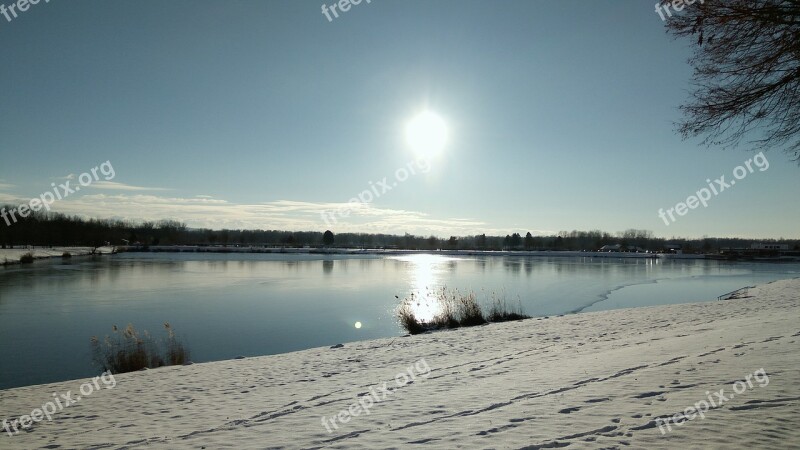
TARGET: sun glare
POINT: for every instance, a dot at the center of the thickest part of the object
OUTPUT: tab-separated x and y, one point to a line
426	133
425	277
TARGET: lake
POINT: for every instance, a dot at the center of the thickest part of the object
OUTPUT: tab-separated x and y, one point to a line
228	305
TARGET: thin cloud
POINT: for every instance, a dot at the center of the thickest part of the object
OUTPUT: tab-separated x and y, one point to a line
11	199
203	212
114	186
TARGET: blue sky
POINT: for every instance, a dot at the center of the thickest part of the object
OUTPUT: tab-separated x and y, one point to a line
263	114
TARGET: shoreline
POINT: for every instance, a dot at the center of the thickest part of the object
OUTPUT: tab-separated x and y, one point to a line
594	379
381	251
446	252
12	256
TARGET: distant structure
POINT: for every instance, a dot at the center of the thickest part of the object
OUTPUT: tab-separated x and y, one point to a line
762	251
762	246
621	248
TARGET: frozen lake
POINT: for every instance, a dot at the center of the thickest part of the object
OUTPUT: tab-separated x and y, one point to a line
227	305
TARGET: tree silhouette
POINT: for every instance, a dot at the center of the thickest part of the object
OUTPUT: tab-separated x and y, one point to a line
327	238
452	242
516	240
528	241
746	72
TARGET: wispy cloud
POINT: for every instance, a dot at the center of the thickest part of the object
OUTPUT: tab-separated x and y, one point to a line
207	212
11	199
114	186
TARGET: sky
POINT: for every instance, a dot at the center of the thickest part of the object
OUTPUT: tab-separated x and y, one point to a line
559	115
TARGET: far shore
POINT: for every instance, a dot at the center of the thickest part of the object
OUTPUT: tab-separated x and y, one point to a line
788	257
392	251
11	256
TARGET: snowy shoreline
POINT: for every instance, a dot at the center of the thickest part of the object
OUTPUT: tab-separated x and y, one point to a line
584	381
387	251
10	256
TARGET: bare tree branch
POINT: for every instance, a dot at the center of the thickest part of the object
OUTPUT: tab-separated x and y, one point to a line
746	72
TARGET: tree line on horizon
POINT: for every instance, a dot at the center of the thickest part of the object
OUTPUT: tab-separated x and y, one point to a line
55	229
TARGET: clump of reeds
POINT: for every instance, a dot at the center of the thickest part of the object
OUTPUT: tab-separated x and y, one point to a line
127	350
455	309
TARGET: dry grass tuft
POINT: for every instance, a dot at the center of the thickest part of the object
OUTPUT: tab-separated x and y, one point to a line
455	309
127	350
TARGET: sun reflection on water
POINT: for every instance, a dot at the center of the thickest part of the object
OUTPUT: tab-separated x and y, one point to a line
425	275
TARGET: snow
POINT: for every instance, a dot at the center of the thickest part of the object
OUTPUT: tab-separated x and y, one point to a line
13	255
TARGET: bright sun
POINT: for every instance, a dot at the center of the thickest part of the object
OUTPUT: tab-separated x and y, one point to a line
426	134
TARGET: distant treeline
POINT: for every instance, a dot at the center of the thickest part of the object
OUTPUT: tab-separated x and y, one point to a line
53	229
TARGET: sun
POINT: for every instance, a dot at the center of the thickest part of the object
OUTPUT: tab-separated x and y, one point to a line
426	133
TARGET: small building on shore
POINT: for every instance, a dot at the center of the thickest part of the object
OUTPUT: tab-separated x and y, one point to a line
770	246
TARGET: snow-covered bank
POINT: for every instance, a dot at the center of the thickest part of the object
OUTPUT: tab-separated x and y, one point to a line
13	255
596	380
